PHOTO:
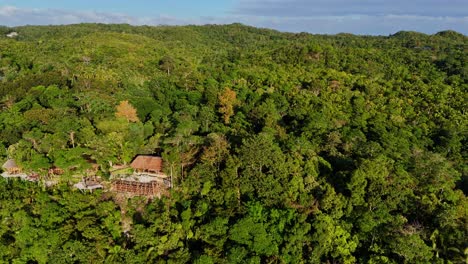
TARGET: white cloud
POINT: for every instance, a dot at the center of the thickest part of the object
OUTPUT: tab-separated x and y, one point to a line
8	10
286	8
366	24
358	16
13	16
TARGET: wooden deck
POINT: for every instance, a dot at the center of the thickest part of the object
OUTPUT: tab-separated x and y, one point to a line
154	188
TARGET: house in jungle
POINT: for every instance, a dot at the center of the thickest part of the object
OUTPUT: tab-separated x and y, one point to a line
12	170
148	178
89	184
11	167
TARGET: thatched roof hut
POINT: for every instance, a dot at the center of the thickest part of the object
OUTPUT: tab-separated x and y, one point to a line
56	171
146	163
11	166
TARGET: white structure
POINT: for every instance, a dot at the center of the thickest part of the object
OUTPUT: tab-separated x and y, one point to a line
12	34
22	176
88	185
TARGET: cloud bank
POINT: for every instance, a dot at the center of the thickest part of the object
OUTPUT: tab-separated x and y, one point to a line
308	8
375	17
14	16
365	24
278	16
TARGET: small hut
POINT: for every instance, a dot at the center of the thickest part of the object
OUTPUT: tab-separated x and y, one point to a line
88	185
11	167
33	177
147	164
56	171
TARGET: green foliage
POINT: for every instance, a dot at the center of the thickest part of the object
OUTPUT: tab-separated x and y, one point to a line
283	148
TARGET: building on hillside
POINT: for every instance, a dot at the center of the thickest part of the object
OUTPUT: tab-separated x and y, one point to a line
88	184
148	178
33	177
12	35
135	187
55	171
12	170
145	164
11	167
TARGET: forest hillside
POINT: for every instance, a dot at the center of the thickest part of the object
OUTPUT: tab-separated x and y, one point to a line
282	147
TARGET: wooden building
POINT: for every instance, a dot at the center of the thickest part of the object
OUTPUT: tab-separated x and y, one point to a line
147	164
33	177
11	167
151	189
148	178
56	171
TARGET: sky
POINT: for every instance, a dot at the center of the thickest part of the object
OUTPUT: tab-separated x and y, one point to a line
364	17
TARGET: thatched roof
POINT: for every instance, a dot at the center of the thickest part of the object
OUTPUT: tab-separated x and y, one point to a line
10	164
147	163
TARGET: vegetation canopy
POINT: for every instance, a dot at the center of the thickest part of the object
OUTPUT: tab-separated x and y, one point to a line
281	147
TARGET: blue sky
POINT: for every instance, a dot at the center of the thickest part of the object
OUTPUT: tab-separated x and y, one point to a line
375	17
183	8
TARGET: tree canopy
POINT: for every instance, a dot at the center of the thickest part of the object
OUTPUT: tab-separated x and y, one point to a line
284	148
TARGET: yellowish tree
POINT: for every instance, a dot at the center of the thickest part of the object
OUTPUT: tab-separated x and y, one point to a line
227	101
127	111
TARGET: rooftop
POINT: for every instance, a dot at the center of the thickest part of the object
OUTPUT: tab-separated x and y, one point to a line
9	164
147	163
